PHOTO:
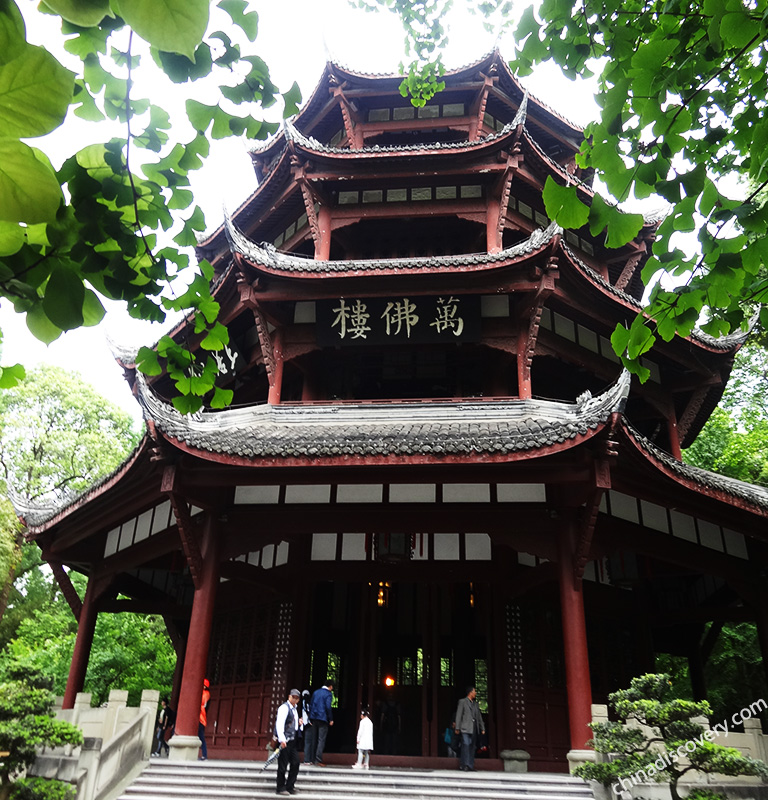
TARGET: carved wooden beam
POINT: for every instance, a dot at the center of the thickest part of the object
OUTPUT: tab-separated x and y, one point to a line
504	185
67	589
526	343
477	111
350	117
190	542
691	411
629	270
267	346
586	529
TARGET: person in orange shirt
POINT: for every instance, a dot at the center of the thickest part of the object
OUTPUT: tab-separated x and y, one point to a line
204	719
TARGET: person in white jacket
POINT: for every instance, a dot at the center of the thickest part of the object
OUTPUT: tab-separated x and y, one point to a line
364	741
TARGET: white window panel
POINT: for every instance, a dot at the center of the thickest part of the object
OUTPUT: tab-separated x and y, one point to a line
323	547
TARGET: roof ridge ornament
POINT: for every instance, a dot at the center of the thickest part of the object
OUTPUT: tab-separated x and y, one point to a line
522	111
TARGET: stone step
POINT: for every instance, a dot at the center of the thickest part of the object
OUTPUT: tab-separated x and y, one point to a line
227	780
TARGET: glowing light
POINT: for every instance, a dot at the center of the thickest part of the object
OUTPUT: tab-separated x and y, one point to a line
389	681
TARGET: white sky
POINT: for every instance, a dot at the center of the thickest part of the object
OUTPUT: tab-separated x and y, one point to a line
295	37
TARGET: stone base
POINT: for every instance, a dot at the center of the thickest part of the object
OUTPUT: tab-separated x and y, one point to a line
184	748
515	760
578	757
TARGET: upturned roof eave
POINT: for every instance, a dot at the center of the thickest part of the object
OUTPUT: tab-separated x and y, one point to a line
747	497
342	434
727	345
38	519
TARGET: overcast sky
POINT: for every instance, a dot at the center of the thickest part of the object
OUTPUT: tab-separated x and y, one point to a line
295	39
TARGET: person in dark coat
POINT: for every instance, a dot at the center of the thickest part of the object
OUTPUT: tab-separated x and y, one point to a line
469	723
320	719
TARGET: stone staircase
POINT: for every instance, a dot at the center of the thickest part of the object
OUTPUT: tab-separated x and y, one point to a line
232	780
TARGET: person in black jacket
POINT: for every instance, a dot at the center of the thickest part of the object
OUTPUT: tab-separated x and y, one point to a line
165	727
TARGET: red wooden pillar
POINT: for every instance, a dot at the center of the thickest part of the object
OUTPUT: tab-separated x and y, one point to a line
198	640
577	678
323	245
674	436
86	625
492	212
276	386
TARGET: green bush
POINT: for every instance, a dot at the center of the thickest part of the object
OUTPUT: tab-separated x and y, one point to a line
42	789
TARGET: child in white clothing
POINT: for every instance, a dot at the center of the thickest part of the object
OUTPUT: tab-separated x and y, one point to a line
364	741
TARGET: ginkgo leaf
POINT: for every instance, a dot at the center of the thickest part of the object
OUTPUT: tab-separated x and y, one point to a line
176	26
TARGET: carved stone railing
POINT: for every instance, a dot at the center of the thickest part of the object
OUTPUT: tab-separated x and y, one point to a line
117	741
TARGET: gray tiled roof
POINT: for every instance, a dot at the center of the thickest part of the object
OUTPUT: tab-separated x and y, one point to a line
749	492
398	429
310	143
725	343
268	256
38	512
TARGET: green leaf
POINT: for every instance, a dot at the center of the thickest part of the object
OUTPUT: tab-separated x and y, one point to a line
12	41
621	228
12	376
176	26
247	22
641	338
41	327
217	337
620	340
93	310
85	13
29	190
11	238
221	398
64	298
180	68
35	91
292	98
187	403
562	205
147	361
737	30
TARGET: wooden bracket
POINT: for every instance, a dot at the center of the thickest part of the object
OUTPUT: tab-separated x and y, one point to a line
628	271
600	485
267	346
188	536
478	108
691	411
351	128
527	342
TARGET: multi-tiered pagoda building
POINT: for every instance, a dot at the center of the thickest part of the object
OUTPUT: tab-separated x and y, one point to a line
434	470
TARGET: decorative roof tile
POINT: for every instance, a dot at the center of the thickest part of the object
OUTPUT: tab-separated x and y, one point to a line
755	495
399	429
268	256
